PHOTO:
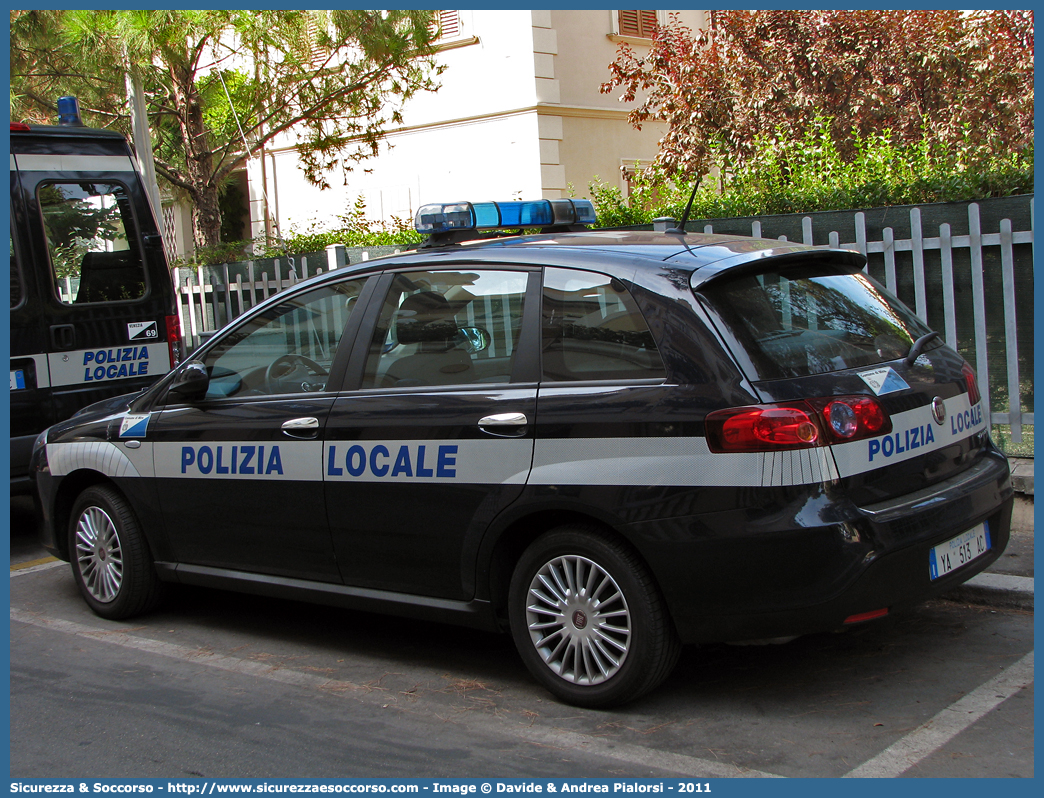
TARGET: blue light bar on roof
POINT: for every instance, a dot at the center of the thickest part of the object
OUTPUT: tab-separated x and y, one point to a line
449	216
69	112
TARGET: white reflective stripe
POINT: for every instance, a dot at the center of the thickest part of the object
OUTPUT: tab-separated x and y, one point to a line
106	364
672	461
914	433
798	467
111	459
43	376
14	164
74	163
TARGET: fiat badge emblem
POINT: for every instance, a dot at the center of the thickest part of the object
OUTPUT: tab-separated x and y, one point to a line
938	410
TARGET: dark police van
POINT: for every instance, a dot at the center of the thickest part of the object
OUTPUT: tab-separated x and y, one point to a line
608	443
92	303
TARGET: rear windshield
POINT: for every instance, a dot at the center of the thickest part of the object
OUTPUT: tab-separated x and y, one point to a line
811	320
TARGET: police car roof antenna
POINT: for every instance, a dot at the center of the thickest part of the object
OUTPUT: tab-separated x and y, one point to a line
680	229
250	154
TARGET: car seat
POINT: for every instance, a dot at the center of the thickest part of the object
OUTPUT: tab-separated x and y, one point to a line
425	320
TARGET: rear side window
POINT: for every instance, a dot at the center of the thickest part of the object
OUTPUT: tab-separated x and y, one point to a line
92	242
810	321
593	330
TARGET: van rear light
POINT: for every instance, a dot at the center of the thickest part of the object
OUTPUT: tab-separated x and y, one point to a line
866	616
973	385
174	340
796	425
21	127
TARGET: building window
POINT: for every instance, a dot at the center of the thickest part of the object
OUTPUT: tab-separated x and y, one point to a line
640	24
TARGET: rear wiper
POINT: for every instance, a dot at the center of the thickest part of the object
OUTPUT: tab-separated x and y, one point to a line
918	345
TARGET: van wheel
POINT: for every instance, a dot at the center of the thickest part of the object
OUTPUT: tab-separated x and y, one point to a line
588	619
111	561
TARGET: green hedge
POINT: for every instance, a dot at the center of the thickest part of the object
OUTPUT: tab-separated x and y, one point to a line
809	175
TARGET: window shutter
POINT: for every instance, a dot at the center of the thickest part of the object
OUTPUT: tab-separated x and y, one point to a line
449	23
637	23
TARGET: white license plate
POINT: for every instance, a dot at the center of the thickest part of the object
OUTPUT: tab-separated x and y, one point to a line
958	551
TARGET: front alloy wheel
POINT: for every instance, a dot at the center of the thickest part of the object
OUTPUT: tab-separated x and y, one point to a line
99	555
110	557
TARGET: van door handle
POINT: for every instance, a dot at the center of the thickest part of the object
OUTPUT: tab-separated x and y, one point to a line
306	427
63	336
511	425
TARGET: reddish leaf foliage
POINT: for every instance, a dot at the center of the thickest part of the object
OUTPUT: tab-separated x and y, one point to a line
962	78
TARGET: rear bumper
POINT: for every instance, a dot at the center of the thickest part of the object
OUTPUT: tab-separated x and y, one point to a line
878	559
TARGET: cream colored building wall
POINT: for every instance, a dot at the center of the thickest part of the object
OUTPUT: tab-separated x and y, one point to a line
519	116
597	140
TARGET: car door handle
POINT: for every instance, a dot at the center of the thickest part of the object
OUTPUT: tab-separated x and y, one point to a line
306	427
512	424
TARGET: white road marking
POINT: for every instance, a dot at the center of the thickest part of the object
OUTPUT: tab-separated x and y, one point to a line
935	733
32	569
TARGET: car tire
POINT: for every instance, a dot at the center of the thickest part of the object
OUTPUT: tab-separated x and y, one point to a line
110	557
603	643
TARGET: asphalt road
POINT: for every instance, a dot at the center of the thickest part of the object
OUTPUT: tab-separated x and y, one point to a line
217	685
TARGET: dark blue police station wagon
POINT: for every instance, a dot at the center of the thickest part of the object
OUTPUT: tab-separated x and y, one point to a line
609	443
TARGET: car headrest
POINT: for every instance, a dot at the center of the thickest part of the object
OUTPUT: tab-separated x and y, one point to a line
426	317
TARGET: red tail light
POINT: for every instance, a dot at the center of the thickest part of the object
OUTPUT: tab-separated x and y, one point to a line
973	385
762	428
849	418
796	425
20	126
174	340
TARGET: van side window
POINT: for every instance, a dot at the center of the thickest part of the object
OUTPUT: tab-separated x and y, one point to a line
593	330
92	242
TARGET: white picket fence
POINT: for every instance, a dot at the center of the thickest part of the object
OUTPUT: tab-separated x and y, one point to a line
210	297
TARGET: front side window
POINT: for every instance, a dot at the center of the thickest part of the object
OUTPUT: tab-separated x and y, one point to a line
447	328
809	321
288	348
592	329
92	242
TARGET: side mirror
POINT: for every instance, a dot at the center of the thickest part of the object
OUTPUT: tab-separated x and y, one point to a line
190	383
475	338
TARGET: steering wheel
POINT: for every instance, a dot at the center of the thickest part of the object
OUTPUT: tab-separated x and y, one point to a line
283	373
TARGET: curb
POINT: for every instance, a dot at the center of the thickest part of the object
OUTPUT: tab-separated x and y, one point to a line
1022	474
995	590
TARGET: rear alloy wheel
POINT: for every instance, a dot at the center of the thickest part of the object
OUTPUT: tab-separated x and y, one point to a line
588	619
110	557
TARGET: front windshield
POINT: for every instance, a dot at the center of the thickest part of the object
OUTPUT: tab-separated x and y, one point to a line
808	320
